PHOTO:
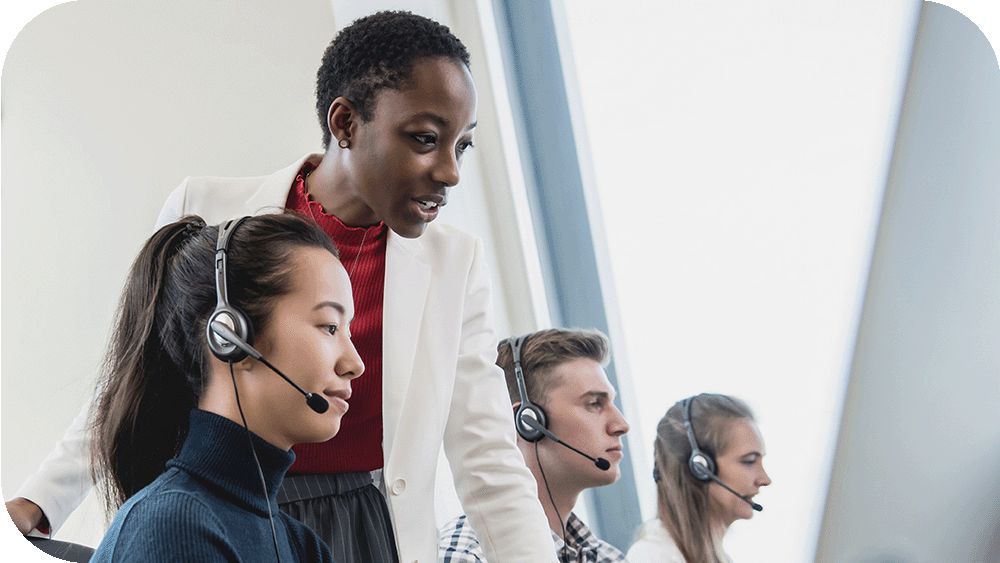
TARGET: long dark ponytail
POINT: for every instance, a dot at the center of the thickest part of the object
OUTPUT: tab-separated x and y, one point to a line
157	360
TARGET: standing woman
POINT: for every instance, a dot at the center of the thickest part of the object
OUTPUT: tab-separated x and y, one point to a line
397	106
701	441
191	436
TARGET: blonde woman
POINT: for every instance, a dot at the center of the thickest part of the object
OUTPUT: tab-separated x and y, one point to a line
709	464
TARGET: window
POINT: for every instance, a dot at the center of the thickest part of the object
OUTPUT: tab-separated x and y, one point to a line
737	156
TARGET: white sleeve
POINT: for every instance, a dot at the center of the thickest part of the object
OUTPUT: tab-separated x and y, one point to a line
64	478
173	208
497	491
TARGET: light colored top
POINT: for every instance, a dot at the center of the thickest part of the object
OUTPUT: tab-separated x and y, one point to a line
654	545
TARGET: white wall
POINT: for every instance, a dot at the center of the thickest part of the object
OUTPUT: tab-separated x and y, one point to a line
107	105
917	473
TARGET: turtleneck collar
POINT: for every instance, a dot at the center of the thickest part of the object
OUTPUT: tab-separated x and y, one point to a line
347	235
217	452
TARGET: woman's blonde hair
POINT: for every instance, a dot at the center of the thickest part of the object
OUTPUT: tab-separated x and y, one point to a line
682	500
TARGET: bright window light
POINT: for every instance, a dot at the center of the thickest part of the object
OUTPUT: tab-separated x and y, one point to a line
739	151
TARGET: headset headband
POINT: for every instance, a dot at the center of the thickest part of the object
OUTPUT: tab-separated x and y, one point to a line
527	408
225	313
688	428
515	348
221	250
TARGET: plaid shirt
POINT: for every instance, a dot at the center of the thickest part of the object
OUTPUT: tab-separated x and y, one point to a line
458	544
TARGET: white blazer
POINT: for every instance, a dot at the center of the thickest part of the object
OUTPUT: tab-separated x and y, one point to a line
440	386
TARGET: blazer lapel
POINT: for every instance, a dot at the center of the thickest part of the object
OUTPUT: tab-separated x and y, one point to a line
407	279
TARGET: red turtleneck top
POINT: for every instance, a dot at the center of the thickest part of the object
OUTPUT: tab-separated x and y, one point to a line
358	445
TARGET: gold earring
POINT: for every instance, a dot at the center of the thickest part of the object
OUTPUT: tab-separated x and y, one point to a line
343	143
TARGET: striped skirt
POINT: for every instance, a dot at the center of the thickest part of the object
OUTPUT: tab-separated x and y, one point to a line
347	512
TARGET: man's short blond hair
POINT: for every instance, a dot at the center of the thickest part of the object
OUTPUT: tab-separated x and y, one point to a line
542	351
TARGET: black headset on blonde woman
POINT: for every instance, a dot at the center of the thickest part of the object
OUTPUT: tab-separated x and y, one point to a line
700	464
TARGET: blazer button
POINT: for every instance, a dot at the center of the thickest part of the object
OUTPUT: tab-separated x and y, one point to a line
398	486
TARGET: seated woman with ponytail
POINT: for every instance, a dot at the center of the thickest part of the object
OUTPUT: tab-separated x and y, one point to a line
709	464
191	448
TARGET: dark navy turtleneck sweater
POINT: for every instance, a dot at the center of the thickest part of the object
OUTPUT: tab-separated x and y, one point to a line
208	505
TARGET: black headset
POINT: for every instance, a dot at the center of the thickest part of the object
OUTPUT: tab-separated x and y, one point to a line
225	313
530	420
701	464
527	408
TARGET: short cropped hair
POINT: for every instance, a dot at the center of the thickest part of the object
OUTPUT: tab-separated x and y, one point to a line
377	52
543	351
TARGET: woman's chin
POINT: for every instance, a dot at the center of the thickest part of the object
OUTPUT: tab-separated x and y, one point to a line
320	433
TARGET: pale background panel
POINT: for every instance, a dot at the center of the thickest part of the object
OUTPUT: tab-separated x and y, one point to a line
917	471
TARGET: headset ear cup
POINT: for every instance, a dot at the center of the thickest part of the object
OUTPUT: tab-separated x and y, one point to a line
239	323
702	466
527	432
709	463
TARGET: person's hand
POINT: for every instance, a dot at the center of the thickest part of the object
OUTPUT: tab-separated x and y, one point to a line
25	514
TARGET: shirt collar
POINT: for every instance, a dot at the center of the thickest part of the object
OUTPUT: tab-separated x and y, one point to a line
581	539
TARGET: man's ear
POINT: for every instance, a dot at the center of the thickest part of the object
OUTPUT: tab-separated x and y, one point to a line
341	119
